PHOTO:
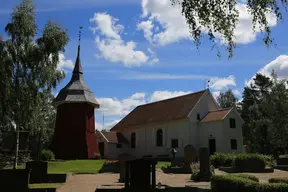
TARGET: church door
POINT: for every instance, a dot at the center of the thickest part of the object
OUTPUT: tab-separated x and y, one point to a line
101	148
212	146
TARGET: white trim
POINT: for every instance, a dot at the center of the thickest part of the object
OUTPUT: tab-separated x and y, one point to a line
227	113
233	110
197	103
104	136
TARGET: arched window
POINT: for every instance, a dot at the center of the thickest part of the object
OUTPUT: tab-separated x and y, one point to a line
198	116
133	140
159	138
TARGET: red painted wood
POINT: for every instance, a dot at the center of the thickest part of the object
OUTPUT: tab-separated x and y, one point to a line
74	136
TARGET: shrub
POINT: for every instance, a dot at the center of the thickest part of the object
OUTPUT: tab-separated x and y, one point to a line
278	180
246	176
270	161
250	162
47	155
222	159
228	183
195	176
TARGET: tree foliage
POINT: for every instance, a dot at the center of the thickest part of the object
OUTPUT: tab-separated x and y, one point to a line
29	59
265	110
219	18
227	99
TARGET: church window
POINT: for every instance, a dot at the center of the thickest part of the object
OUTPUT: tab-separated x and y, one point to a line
198	116
159	138
133	140
174	143
232	123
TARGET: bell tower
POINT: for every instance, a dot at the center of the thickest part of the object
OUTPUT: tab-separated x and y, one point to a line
74	136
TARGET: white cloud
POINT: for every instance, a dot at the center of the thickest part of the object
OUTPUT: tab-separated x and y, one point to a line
161	13
114	106
222	83
64	64
215	94
279	65
237	92
107	125
113	48
161	95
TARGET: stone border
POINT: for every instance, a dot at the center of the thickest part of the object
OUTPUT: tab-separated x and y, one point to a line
234	170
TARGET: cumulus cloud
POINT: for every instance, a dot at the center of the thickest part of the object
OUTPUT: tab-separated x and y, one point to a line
107	125
161	95
113	48
218	83
64	64
174	27
279	65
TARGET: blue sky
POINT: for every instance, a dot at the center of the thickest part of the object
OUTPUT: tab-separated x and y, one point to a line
139	51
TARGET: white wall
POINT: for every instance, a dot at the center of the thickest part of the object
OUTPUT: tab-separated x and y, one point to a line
113	152
205	104
233	133
146	138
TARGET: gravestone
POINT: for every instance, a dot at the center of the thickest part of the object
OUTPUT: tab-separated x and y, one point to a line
141	174
189	154
123	158
205	173
38	171
14	180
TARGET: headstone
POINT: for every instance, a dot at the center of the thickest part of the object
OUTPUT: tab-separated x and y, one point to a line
38	171
205	173
14	180
123	158
189	154
141	174
177	162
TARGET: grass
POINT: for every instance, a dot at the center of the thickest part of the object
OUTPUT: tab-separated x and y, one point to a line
73	166
162	164
45	185
80	166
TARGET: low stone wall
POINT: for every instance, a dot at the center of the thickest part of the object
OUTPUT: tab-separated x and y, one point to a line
170	189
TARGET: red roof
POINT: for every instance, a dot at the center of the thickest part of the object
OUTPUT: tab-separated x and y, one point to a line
216	115
170	109
114	137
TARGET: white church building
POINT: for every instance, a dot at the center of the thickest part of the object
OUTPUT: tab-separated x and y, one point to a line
153	129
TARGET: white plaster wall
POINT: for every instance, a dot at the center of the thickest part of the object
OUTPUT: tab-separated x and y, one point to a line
112	151
205	104
215	129
146	138
233	133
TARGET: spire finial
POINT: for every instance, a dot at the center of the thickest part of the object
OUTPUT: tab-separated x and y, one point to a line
79	34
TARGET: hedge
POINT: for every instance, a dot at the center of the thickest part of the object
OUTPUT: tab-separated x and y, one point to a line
222	159
246	176
250	162
278	180
229	183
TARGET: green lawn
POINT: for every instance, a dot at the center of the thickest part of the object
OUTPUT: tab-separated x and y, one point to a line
162	164
73	166
81	166
45	185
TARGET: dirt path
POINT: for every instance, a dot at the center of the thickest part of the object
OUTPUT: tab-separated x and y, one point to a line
88	183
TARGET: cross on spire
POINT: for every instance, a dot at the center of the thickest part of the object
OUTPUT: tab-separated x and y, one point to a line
79	34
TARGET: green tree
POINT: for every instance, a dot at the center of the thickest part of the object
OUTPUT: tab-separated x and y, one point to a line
219	18
29	67
227	99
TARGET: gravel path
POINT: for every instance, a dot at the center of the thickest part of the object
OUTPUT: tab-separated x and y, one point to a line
89	183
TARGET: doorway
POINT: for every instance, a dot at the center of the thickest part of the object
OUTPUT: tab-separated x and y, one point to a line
101	148
212	146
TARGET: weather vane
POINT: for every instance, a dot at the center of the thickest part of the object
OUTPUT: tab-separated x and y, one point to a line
80	28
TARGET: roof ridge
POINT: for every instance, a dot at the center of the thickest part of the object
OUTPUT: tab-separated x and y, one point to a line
177	97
